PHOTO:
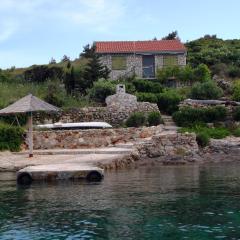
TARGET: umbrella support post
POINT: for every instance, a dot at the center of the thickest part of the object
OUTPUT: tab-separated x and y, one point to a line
30	135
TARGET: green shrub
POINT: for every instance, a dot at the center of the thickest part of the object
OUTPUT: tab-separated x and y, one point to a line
10	137
234	72
218	133
191	116
168	101
184	74
146	86
101	90
154	118
236	91
165	73
202	139
147	97
236	114
236	132
202	73
204	133
206	90
55	94
137	119
9	119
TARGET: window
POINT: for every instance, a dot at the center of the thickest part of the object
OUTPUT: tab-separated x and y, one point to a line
169	60
119	63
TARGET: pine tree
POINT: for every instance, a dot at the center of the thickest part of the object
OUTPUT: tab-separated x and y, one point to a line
52	61
65	59
94	69
171	36
69	81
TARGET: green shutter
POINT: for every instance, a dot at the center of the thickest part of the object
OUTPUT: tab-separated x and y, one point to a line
119	63
170	60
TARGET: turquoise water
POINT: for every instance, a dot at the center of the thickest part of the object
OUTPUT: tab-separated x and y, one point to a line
148	203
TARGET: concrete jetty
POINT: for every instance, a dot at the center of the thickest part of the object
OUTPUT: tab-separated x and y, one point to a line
56	164
54	172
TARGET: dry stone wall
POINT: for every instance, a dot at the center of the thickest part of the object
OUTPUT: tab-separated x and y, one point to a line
91	138
169	144
113	116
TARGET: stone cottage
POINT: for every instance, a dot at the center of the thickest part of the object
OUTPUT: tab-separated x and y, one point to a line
143	58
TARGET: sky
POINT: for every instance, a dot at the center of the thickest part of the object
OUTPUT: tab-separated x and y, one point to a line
34	31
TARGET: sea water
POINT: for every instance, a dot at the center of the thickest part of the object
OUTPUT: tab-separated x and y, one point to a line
154	202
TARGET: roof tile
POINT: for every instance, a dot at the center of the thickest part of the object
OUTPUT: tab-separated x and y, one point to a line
140	46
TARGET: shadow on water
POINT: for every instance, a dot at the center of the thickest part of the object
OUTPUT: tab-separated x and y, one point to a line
178	202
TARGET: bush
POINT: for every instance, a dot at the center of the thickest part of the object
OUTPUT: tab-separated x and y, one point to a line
101	90
236	114
185	74
136	120
147	97
206	90
54	94
168	101
236	132
205	133
190	116
236	91
9	119
202	73
202	139
10	137
234	72
147	86
168	72
154	118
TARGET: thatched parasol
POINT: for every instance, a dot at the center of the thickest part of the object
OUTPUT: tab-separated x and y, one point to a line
29	104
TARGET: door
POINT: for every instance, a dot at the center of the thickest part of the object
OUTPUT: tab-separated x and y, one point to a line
148	65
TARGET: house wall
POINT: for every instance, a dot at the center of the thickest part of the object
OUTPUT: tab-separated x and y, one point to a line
132	61
136	61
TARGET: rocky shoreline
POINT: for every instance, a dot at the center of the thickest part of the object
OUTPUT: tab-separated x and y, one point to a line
165	148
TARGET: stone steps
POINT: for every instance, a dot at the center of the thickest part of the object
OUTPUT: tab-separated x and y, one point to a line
168	121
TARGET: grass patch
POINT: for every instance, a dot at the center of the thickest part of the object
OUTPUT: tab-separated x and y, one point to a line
216	133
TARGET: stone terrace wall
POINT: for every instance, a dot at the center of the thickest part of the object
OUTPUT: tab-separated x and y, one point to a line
114	116
91	138
169	144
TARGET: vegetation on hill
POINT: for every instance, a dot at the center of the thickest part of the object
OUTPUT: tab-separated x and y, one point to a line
221	56
85	82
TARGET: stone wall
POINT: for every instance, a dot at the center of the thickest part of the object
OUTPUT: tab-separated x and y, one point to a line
91	138
182	60
170	144
119	107
113	116
134	63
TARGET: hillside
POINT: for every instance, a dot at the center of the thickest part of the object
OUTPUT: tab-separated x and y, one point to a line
221	56
67	85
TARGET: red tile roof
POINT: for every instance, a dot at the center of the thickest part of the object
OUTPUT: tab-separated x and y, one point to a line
140	46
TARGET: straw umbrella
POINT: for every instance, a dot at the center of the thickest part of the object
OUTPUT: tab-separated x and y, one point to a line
29	104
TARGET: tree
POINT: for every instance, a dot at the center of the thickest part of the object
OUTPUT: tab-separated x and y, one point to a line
69	81
88	51
69	65
42	73
94	69
171	36
65	59
52	61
